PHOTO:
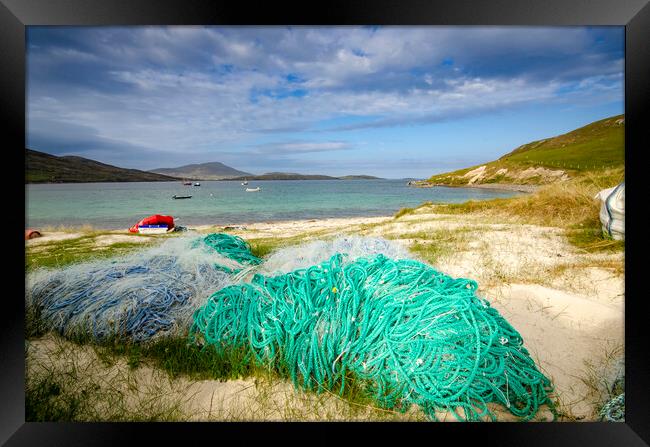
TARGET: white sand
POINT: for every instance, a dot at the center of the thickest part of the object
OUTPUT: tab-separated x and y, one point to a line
294	227
47	237
110	239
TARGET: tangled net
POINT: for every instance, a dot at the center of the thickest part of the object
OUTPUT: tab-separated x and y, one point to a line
409	334
311	253
232	247
137	296
614	410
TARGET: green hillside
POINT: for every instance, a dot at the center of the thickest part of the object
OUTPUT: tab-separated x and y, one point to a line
596	146
45	168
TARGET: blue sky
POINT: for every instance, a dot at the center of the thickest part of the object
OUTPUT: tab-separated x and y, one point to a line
388	101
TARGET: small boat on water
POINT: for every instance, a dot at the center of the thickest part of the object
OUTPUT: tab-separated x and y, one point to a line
253	189
181	197
187	183
244	183
197	184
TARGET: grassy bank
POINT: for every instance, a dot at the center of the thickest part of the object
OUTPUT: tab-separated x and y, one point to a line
592	149
83	245
567	205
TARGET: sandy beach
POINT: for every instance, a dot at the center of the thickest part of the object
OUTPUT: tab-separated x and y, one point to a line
568	305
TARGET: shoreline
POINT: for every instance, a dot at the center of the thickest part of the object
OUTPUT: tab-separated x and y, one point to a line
238	179
282	228
178	221
495	186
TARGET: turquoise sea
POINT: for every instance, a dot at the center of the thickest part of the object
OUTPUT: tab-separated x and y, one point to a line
120	205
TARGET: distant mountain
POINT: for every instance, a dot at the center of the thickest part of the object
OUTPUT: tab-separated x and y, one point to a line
360	177
46	168
284	176
203	171
294	176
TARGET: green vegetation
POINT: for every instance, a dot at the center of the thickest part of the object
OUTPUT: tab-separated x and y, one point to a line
203	171
598	145
75	390
588	235
178	357
569	205
84	248
56	397
592	148
75	394
432	246
262	246
403	212
46	168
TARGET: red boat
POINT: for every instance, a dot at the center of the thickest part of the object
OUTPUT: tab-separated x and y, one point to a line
156	219
30	234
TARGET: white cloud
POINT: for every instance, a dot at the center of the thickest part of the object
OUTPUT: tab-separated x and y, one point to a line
200	89
301	147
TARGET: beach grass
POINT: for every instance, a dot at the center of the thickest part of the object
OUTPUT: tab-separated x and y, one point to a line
404	212
66	384
61	253
569	205
53	392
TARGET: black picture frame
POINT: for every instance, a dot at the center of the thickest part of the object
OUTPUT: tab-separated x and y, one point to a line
15	15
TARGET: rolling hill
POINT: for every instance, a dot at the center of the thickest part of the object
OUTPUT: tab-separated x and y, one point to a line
45	168
294	176
202	171
596	146
359	177
284	176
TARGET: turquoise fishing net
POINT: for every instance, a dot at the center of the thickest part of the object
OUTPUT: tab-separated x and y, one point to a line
404	331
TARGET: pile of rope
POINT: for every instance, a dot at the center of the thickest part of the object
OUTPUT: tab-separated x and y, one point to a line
310	253
407	333
137	296
232	247
614	409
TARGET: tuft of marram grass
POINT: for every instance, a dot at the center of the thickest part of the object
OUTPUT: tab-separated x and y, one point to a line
569	205
403	212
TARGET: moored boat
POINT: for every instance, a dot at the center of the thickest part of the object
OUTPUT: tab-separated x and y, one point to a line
253	189
154	224
181	197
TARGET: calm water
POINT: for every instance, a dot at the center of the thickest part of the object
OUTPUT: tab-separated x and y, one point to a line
120	205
